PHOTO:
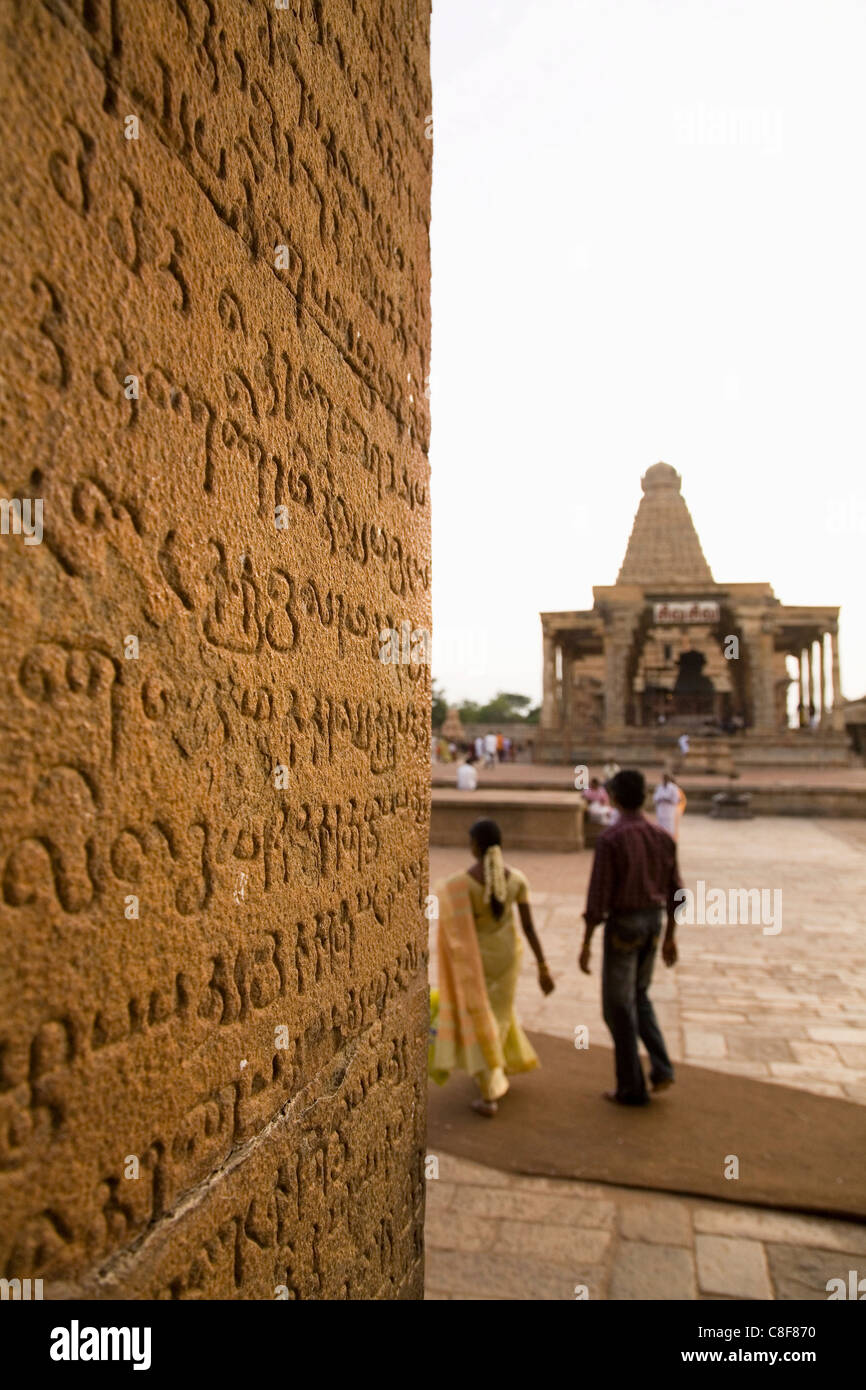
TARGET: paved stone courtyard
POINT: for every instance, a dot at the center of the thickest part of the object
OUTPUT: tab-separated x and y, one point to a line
491	1235
788	1008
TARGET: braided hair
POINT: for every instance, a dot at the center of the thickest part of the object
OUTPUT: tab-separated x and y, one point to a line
488	838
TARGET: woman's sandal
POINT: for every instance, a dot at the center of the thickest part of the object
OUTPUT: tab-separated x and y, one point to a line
487	1108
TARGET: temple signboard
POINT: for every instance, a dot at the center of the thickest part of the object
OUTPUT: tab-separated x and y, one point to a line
686	611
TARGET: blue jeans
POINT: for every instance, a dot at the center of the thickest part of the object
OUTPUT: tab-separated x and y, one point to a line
630	940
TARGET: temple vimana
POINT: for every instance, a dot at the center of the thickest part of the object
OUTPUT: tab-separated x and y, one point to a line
669	649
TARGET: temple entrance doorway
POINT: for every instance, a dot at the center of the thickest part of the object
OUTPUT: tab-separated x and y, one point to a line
694	696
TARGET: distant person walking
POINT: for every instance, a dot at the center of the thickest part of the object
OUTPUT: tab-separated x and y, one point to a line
479	748
683	746
474	1024
490	750
669	801
634	879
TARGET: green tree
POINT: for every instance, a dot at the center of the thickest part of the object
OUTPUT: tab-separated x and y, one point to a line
519	703
504	708
440	706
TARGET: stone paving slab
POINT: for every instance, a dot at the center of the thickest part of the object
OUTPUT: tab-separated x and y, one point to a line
652	1271
500	1275
733	1266
657	1220
781	1227
803	1272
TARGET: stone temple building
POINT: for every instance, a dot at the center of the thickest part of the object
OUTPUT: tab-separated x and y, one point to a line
668	649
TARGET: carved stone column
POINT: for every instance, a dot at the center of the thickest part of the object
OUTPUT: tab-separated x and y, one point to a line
549	712
765	710
617	639
567	693
801	705
837	717
760	653
822	676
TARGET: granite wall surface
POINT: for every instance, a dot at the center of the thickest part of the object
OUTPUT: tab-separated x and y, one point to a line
214	799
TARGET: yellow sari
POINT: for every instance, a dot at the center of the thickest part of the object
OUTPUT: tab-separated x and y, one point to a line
473	1023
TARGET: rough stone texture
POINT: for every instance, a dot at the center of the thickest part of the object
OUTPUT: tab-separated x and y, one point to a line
657	1221
733	1266
643	1242
782	1228
642	1271
500	1275
804	1272
255	1037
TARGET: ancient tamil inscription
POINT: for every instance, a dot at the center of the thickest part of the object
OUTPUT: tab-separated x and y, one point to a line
214	798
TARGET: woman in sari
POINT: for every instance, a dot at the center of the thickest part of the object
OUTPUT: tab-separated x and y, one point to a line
475	1027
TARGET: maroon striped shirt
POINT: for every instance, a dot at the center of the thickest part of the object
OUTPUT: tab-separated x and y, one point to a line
635	867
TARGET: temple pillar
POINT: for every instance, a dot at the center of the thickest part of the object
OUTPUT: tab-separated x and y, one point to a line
549	711
822	677
567	694
557	683
810	676
765	704
616	645
619	633
760	649
801	702
836	717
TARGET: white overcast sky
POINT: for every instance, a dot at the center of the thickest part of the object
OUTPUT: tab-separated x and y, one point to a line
649	240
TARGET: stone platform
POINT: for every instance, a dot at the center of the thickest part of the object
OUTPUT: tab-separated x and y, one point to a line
553	820
529	820
803	748
539	800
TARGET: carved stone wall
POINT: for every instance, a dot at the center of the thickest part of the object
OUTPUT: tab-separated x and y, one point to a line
214	800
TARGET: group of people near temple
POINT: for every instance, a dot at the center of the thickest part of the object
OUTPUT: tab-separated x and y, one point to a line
632	889
669	802
485	749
